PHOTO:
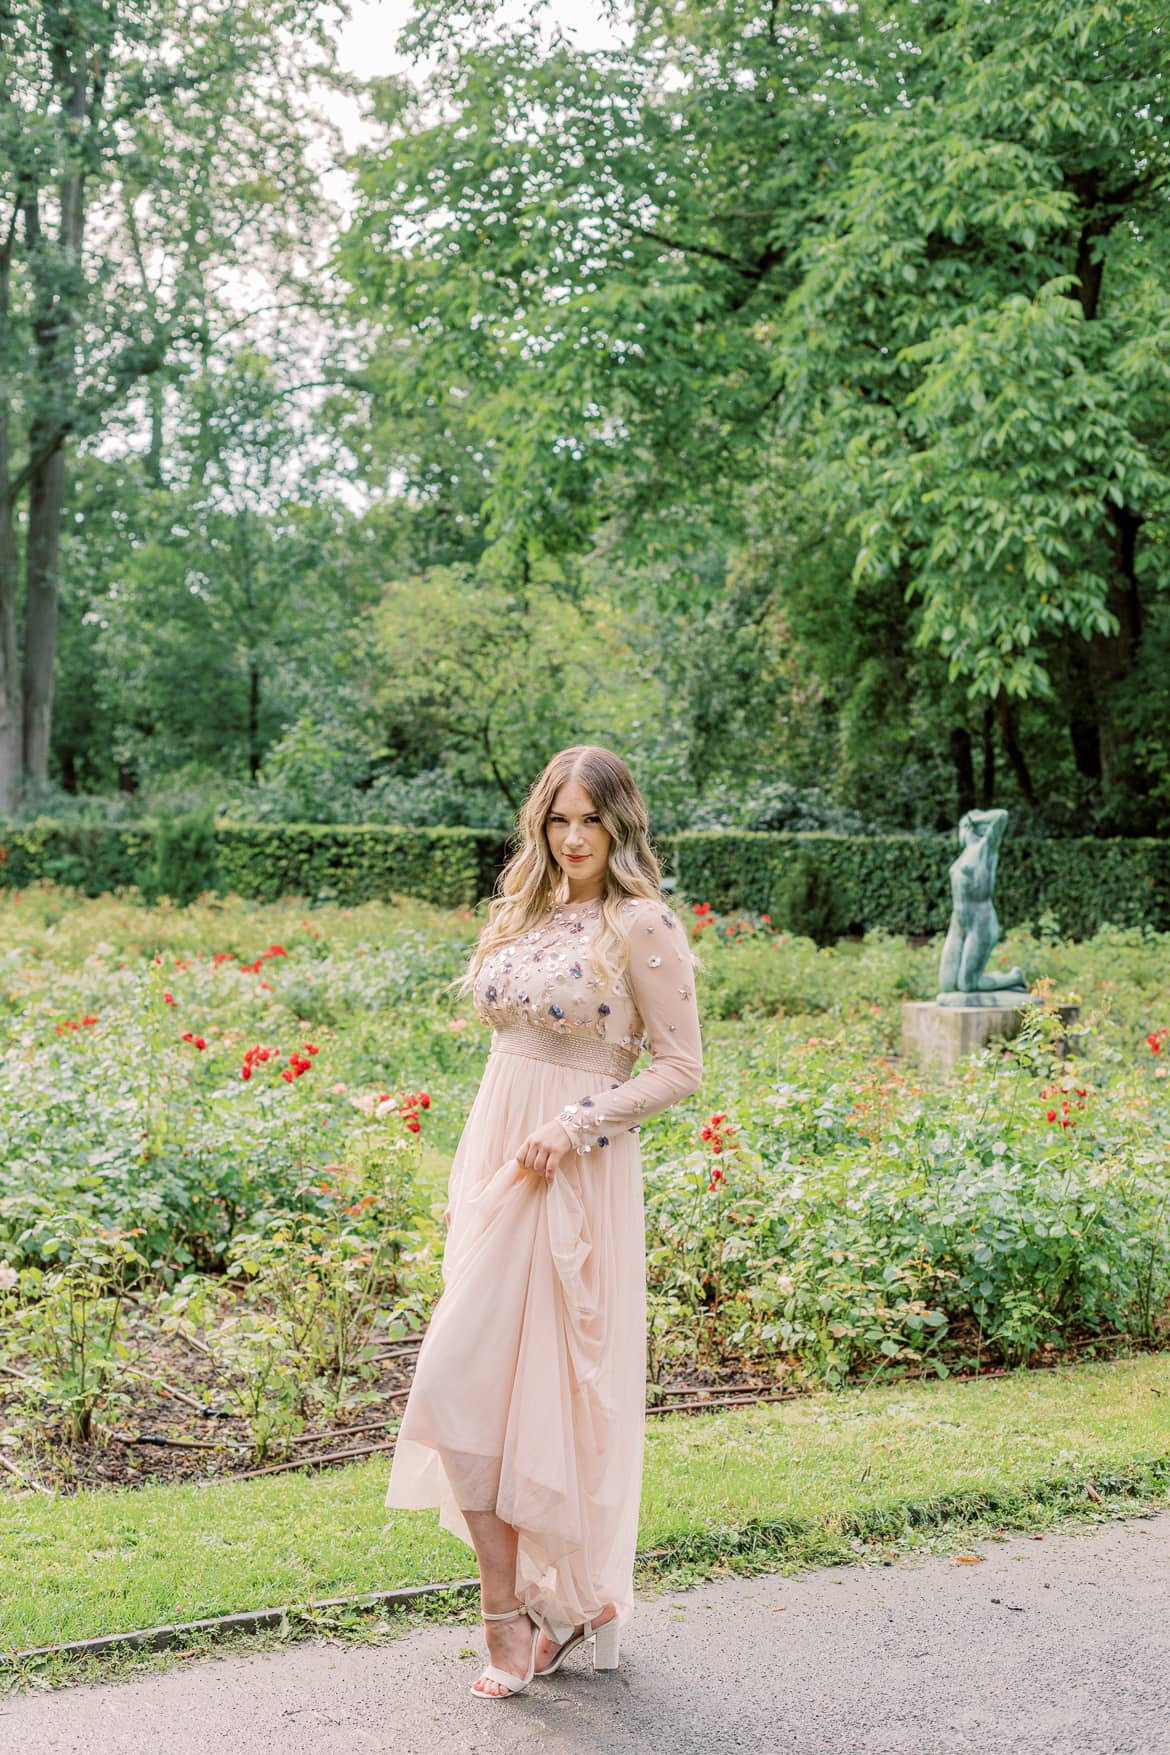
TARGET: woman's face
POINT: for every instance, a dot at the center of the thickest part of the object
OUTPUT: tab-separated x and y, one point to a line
578	840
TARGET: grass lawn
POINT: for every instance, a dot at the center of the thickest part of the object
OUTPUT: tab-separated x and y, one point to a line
782	1485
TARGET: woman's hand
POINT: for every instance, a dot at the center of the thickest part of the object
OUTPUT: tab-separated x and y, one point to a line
546	1150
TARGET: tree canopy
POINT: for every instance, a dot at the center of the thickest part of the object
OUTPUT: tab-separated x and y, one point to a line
782	390
893	274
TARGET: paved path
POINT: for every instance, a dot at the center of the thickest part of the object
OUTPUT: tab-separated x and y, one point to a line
1053	1647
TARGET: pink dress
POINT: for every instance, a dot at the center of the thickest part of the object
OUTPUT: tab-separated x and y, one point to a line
529	1395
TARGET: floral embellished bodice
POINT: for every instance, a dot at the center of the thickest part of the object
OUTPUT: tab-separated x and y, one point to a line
544	982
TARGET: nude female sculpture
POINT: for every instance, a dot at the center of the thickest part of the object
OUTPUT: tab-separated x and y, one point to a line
973	933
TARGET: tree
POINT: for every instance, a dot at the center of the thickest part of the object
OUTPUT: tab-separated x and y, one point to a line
486	681
146	150
901	264
571	267
227	603
983	386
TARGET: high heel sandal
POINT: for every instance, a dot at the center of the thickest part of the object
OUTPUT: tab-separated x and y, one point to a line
493	1673
606	1640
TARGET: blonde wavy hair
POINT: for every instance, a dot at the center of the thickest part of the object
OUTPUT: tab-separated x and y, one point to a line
532	882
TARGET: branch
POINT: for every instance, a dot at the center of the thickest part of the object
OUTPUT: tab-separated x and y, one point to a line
754	271
134	363
258	311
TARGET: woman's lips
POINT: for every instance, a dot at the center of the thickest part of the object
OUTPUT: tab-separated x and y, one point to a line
576	857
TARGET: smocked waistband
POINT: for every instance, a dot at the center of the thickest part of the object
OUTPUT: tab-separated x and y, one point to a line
563	1048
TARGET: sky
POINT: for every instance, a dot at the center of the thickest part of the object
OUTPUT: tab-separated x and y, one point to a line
367	43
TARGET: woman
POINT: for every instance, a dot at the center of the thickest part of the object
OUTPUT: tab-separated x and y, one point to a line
526	1417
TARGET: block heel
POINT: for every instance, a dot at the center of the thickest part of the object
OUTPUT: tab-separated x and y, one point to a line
605	1646
606	1640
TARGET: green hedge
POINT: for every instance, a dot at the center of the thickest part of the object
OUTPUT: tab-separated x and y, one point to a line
823	884
834	884
329	862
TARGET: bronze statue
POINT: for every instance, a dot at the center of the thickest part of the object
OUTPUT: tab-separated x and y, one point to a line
974	929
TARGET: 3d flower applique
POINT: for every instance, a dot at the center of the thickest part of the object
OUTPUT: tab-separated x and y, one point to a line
668	919
653	962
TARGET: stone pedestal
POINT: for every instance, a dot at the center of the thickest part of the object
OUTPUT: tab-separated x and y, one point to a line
940	1035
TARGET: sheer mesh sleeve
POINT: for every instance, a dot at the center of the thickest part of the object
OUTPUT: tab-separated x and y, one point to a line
660	980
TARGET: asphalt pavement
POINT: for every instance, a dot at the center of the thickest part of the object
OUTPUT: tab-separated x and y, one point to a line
1058	1646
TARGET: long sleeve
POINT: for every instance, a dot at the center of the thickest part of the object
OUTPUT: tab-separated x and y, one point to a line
660	979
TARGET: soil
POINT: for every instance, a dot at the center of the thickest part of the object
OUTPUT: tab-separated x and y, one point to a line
186	1433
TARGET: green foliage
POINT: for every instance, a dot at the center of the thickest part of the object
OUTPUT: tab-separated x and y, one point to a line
355	864
225	608
326	862
486	677
131	135
866	1218
184	864
65	1319
821	884
293	1327
808	901
899	883
867	300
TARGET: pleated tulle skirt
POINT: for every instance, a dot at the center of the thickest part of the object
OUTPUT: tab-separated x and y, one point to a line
529	1394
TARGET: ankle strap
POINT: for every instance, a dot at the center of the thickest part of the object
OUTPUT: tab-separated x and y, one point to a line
503	1615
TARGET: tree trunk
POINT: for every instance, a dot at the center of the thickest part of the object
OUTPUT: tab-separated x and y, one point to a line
10	725
987	737
964	762
1098	746
1009	732
253	719
1110	658
59	293
42	584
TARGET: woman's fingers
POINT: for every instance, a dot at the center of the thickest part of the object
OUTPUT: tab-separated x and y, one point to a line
539	1160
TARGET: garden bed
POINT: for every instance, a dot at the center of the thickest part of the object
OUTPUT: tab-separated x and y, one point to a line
226	1132
162	1437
